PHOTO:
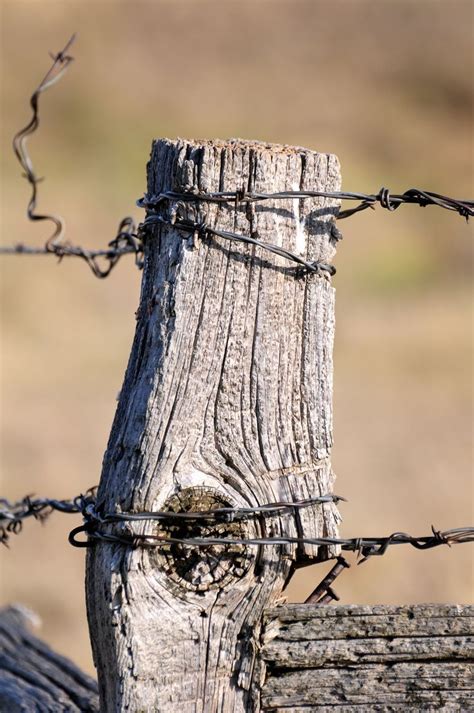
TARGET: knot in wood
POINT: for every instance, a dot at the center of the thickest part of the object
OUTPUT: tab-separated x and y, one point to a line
201	568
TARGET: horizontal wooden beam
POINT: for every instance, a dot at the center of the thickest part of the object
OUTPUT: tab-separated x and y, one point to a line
314	657
415	657
33	677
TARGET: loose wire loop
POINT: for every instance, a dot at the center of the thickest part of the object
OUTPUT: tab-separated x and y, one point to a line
98	526
127	239
130	237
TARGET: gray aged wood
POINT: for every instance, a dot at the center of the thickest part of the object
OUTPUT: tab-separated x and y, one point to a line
349	658
227	399
35	678
383	658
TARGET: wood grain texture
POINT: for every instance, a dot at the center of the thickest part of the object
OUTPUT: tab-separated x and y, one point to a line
377	658
33	678
227	398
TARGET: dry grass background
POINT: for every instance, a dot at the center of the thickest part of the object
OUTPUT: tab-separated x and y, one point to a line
387	86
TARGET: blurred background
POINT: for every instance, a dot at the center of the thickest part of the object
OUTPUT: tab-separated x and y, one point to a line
385	85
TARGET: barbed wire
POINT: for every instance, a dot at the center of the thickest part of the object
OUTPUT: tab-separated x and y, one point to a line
203	231
61	62
12	516
384	198
365	546
127	241
129	238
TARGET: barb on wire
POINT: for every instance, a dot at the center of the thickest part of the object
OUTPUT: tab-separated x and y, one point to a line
128	238
97	526
422	198
127	241
13	515
365	546
204	231
154	204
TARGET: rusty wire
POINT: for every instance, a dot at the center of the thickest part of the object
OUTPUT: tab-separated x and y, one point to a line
129	238
97	526
384	198
13	514
203	231
127	241
365	546
164	208
61	62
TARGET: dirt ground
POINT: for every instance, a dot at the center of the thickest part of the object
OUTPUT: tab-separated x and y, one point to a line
387	86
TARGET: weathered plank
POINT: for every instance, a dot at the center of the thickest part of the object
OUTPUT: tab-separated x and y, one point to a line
368	658
35	678
227	400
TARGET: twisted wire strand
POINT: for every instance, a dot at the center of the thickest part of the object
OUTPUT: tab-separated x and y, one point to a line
155	203
13	514
61	62
129	238
204	231
384	198
365	546
96	522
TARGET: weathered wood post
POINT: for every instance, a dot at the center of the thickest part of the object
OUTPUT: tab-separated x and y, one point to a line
226	401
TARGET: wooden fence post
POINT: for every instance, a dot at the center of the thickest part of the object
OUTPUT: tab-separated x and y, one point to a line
227	400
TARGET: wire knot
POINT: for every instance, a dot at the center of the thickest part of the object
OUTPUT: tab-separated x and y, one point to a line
439	536
319	268
240	196
383	197
201	230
